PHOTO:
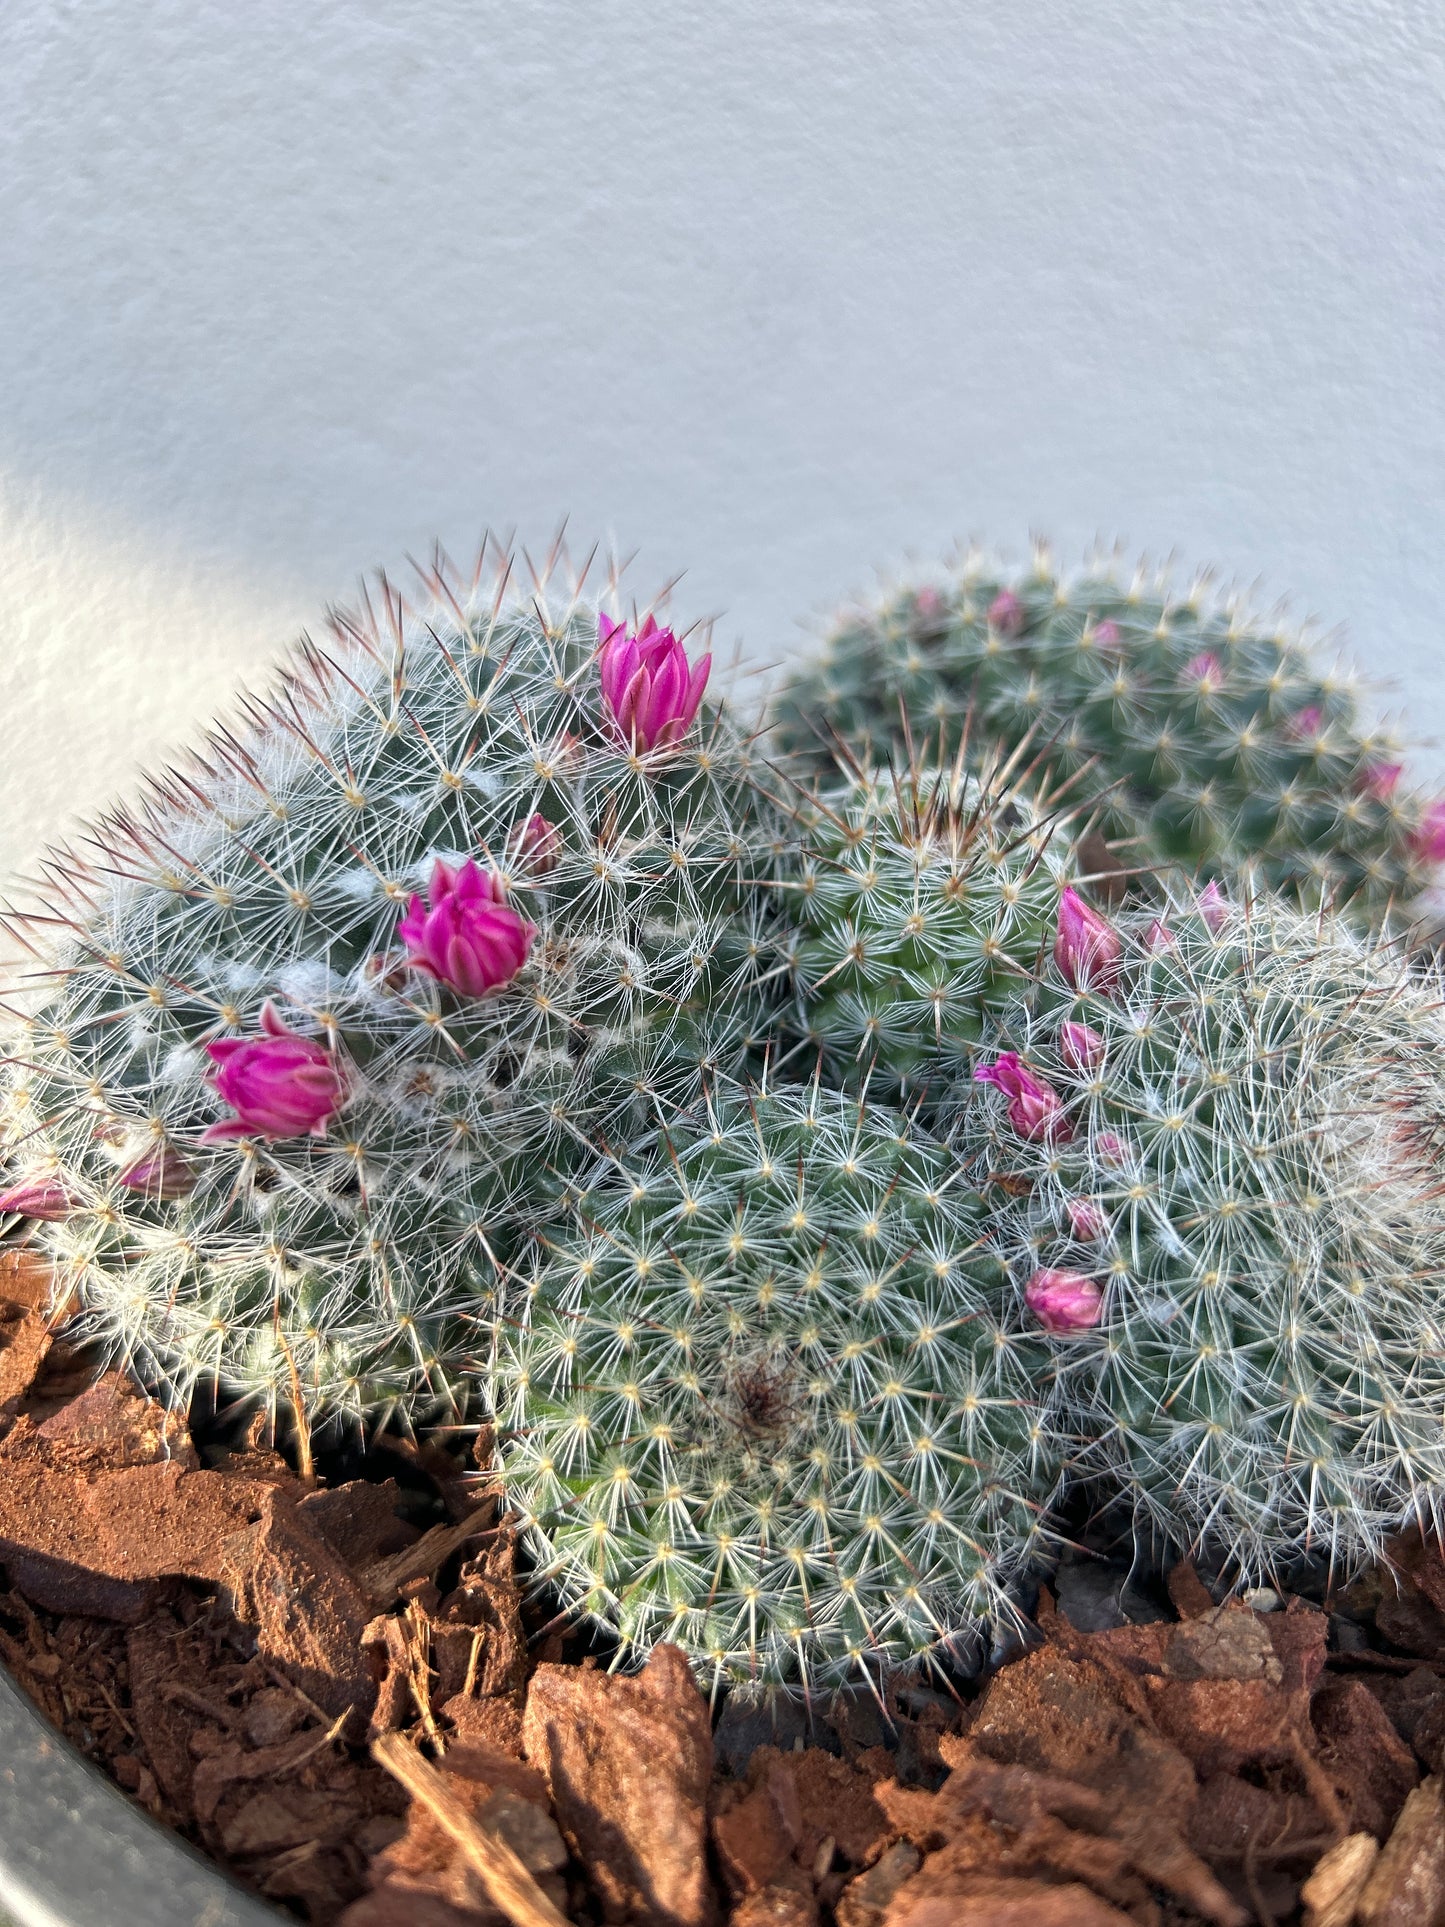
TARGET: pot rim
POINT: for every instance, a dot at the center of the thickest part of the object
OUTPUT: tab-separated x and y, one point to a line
71	1842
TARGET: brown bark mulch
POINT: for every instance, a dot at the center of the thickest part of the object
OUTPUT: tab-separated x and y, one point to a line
342	1693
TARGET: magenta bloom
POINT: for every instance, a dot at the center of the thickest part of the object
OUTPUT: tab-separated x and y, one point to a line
1307	722
1207	671
278	1084
1106	636
1006	613
652	693
1087	1220
1428	840
1087	949
1381	780
1080	1046
470	938
42	1195
537	845
1035	1108
160	1173
1064	1301
1213	906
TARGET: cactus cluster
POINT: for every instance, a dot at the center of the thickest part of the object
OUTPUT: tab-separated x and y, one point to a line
764	1393
1213	741
592	942
805	1189
1219	1186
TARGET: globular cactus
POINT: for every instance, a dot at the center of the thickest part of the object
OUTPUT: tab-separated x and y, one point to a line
1218	1186
1216	742
921	900
462	889
765	1395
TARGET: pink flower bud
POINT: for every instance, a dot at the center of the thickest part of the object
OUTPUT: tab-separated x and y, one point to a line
1106	636
278	1084
160	1172
1307	723
647	684
1111	1148
537	845
1006	613
470	938
1064	1301
1158	937
1206	671
1035	1108
1213	906
1087	1220
1081	1047
1381	780
1428	841
1087	949
929	604
41	1195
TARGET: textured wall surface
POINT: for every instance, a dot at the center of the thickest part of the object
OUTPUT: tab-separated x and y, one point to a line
773	293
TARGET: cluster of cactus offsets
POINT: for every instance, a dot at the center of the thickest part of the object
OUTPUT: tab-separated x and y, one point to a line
1221	1191
761	1395
923	901
466	887
1214	742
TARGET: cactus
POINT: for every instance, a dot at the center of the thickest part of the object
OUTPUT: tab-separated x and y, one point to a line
1219	1190
921	901
582	940
1218	743
764	1395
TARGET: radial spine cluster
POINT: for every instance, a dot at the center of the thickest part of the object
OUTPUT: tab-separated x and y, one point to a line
764	1394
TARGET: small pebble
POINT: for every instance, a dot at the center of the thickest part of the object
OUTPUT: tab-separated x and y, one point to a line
1262	1599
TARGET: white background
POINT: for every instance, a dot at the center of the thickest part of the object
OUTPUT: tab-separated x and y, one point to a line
774	290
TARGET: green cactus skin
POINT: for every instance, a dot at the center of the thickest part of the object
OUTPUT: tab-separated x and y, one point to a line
921	902
765	1396
341	1273
1264	775
1258	1144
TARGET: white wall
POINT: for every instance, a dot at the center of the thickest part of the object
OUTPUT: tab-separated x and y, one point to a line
775	289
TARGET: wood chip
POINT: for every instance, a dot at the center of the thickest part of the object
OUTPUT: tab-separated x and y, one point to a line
1332	1892
503	1877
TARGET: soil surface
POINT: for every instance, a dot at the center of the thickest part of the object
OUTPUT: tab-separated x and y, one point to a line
340	1688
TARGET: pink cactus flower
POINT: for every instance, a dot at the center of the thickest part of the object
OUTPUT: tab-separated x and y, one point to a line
160	1172
1087	949
1087	1220
278	1084
1106	635
1111	1148
929	604
1206	671
1381	780
1006	613
1428	840
470	938
1064	1301
1158	937
41	1195
1213	906
1307	723
647	684
1035	1108
1080	1046
537	845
